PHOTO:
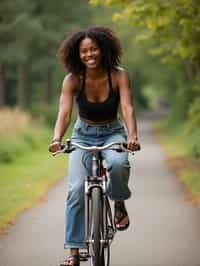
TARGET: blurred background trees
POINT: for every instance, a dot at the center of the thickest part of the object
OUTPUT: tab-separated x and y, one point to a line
30	33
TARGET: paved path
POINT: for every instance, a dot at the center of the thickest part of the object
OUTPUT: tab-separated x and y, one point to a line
164	231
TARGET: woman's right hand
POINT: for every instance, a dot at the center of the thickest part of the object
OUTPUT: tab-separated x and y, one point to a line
55	146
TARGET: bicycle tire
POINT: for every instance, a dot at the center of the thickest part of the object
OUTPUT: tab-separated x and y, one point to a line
97	258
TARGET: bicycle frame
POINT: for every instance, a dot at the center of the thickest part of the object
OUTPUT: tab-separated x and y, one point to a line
98	179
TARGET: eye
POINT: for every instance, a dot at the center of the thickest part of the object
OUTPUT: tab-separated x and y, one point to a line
94	49
83	51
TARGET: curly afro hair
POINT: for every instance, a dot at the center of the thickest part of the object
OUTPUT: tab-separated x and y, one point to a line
105	38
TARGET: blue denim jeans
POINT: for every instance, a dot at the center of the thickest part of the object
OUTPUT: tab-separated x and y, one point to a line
80	166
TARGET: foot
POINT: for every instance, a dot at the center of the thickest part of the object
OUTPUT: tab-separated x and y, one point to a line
72	260
121	218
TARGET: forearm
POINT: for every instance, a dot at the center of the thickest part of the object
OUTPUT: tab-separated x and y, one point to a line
61	125
131	123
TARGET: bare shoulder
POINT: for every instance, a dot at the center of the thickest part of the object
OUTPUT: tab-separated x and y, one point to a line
71	83
121	75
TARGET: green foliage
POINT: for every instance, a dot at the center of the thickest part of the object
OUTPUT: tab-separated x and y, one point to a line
194	112
193	124
46	112
180	104
7	152
30	34
21	143
25	182
194	148
192	180
173	25
19	134
177	143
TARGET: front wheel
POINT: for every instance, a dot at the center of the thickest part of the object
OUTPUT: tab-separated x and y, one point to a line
97	251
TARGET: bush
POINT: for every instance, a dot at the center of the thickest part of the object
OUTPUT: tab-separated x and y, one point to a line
6	153
193	124
47	113
11	149
19	134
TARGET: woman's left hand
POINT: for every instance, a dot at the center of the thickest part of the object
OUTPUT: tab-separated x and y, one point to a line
133	143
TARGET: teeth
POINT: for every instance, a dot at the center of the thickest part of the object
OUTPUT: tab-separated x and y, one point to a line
91	61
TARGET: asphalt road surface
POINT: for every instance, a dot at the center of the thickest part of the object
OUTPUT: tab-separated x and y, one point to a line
164	231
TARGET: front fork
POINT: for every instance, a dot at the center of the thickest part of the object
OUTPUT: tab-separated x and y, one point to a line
91	182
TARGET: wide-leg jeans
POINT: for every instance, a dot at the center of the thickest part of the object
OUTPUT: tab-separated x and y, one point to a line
80	166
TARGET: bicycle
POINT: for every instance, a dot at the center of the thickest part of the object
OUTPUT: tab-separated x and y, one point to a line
99	226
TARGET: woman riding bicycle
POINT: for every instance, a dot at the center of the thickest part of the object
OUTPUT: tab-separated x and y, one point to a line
99	85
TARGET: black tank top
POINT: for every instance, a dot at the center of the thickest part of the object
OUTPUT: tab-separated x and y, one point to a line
98	111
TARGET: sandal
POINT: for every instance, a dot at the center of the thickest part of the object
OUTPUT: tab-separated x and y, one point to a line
119	214
72	260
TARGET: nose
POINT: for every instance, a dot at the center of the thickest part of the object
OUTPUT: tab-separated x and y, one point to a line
89	53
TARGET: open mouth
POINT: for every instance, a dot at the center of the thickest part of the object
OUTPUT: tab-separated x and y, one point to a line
91	61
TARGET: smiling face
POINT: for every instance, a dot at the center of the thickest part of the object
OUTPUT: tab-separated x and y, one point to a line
90	53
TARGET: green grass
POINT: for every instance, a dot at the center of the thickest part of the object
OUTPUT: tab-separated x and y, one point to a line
192	180
176	144
25	181
27	169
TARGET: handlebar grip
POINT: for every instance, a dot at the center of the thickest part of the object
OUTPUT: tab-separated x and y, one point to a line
137	148
68	150
125	145
62	146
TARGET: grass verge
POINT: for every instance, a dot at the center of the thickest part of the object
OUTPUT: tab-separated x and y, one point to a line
25	182
27	169
176	145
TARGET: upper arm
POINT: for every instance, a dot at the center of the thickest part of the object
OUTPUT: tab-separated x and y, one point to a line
69	87
125	90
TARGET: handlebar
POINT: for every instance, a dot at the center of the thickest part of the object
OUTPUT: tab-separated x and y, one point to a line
70	146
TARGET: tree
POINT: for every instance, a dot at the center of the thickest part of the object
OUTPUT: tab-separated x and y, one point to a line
173	29
30	33
2	86
17	29
173	25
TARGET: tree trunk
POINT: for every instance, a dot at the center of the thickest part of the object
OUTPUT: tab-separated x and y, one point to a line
189	70
192	70
196	68
22	85
48	91
2	86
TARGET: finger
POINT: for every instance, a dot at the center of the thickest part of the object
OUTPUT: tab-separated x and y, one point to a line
54	147
137	146
130	146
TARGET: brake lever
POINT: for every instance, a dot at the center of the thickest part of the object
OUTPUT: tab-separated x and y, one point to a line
63	148
124	145
124	148
69	149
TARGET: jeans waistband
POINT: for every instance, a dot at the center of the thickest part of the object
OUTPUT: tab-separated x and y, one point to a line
113	123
